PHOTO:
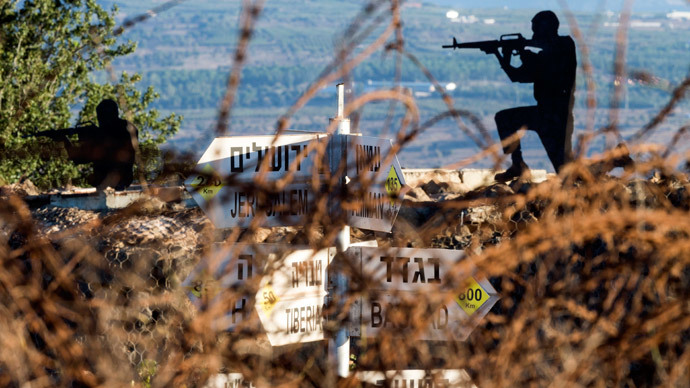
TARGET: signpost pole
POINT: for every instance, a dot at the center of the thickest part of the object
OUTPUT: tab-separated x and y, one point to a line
340	346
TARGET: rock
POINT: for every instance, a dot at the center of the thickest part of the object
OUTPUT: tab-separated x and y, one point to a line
643	193
417	213
29	188
403	234
442	242
446	197
409	215
312	235
357	234
678	196
440	221
453	179
433	187
480	215
283	234
23	188
417	194
56	219
523	217
260	235
497	190
618	157
457	187
427	210
136	231
151	205
462	237
521	187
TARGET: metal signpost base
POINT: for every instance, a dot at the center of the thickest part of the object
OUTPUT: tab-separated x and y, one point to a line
339	347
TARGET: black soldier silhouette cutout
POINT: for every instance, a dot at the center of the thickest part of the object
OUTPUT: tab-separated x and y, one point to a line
110	147
551	67
117	151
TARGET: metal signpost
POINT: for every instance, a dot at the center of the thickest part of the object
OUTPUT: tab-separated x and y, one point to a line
339	347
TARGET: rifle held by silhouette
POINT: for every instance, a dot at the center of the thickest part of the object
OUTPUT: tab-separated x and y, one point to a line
513	43
63	134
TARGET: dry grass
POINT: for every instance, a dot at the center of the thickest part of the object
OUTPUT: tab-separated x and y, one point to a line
593	270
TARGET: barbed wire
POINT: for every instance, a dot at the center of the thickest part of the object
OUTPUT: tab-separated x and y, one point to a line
592	269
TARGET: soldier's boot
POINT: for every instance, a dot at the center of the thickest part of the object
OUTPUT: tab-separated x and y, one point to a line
516	170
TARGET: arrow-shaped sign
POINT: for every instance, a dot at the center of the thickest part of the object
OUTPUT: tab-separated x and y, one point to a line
292	295
222	185
287	284
375	181
398	277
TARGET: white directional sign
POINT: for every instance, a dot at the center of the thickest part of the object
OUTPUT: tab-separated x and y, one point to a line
291	299
400	279
238	268
223	182
413	378
376	179
222	185
228	380
289	285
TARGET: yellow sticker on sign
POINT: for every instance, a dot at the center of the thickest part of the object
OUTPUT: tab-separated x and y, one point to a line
268	299
207	184
472	299
204	288
393	185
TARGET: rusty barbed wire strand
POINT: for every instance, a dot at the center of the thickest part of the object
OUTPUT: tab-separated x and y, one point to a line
493	149
679	94
153	12
283	121
619	73
592	270
250	12
398	47
487	141
682	131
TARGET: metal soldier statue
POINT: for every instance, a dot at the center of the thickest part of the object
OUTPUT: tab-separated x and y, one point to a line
552	70
110	147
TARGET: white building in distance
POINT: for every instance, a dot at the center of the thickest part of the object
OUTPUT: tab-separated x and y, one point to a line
678	15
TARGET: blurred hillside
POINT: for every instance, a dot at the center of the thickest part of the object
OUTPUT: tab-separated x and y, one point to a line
186	52
583	5
592	269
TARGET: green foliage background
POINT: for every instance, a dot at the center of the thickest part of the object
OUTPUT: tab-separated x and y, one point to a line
50	51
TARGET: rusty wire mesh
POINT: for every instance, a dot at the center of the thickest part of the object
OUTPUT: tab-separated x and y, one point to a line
593	270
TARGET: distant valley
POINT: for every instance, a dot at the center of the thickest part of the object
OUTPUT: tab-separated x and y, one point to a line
186	54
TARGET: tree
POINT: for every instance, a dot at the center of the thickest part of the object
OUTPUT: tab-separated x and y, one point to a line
51	53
